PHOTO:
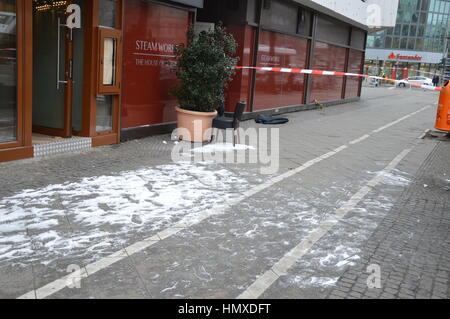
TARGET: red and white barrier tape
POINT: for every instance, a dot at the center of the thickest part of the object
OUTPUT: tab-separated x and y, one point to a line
319	72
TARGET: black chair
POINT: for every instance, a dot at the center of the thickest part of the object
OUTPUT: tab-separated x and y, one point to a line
221	122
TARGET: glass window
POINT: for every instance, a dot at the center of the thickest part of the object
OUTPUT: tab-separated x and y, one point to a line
403	42
423	18
109	62
370	41
413	30
358	39
419	44
333	30
8	72
411	43
388	43
421	31
105	106
396	43
304	22
405	30
281	16
378	42
108	13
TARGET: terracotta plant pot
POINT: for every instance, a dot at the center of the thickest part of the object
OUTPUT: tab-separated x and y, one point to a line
195	124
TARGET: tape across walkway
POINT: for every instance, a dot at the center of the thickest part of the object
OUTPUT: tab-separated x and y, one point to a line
319	72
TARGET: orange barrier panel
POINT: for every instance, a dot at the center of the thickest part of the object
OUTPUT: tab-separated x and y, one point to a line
443	115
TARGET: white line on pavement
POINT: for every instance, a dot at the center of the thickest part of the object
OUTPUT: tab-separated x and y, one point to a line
104	263
400	120
255	290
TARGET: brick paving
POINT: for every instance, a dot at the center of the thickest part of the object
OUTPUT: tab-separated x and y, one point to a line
412	243
402	226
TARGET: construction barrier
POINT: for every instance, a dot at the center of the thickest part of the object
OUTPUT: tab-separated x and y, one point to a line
443	114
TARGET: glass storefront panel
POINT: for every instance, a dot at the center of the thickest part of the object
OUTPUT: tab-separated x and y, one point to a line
108	13
49	54
355	61
105	106
328	57
275	89
151	32
8	71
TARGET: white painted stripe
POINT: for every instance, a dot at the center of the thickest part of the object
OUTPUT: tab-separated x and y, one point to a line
307	71
400	120
328	73
281	268
358	140
286	70
422	136
57	285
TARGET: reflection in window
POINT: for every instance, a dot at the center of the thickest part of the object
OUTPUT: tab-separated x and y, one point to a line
403	43
108	13
8	72
388	43
109	61
104	113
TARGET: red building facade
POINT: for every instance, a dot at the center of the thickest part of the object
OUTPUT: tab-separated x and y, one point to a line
106	79
280	33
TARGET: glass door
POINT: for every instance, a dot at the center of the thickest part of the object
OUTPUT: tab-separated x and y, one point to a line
57	75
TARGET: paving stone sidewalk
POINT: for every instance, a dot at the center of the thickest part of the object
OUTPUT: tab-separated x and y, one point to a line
80	208
412	243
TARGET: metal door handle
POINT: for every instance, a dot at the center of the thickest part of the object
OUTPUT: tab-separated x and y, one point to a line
58	58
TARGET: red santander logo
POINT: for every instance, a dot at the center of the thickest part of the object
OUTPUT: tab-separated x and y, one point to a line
393	56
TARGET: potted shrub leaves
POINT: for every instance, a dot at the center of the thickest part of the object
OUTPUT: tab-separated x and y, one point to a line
204	68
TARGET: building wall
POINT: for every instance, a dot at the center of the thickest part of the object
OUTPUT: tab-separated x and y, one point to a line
286	37
328	58
356	12
150	34
274	89
418	40
282	34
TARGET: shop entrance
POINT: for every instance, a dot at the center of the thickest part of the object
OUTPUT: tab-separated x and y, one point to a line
57	69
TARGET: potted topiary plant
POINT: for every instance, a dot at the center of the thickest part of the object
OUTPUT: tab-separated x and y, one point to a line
204	68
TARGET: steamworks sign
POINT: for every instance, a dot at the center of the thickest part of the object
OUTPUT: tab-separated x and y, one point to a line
404	56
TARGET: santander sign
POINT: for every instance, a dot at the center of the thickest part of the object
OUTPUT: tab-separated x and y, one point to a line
394	56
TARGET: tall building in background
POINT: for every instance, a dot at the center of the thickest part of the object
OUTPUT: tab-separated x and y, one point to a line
417	43
447	61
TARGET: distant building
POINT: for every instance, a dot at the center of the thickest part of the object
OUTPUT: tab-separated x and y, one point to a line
418	41
447	62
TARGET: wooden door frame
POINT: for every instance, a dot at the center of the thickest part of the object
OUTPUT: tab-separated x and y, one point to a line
22	147
91	78
67	130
